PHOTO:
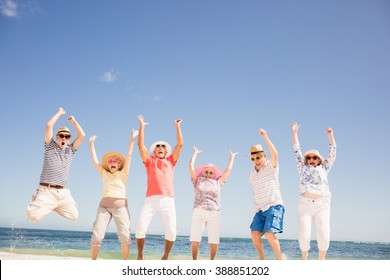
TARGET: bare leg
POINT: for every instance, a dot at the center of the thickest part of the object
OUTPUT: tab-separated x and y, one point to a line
213	251
321	255
140	247
125	251
305	254
274	242
167	248
95	251
195	249
258	243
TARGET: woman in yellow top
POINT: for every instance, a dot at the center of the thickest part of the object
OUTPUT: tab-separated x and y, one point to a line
114	171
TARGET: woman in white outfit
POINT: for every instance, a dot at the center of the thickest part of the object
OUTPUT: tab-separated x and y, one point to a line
315	196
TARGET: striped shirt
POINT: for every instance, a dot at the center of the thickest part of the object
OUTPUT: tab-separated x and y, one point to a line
56	164
266	188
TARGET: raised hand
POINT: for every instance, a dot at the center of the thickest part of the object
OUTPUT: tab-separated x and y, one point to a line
295	126
141	120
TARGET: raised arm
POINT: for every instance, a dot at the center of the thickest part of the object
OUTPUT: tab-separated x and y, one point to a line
94	156
179	137
226	173
332	149
141	145
271	147
329	132
294	127
126	166
193	173
80	133
50	124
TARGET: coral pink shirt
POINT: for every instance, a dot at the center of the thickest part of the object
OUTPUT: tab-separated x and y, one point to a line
160	175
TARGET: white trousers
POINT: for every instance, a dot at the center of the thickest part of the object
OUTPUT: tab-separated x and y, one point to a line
210	219
315	211
152	205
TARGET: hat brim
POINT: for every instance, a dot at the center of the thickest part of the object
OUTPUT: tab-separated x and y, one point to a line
314	152
167	147
217	172
64	130
110	155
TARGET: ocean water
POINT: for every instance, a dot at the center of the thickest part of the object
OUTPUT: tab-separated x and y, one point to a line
76	244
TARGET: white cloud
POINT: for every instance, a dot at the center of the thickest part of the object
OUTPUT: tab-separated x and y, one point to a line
155	98
9	8
109	76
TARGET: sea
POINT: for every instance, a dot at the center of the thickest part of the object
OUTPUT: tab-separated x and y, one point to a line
77	244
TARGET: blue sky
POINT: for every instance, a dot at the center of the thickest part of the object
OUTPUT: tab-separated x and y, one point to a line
227	68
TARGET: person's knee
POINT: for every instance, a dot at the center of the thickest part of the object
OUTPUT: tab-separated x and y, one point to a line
270	236
33	218
170	234
33	214
73	217
140	232
97	239
124	238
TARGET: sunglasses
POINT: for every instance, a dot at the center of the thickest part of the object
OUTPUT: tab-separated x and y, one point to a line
311	157
160	146
64	136
257	158
113	160
208	172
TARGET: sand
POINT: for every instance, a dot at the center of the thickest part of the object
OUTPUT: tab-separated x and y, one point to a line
14	256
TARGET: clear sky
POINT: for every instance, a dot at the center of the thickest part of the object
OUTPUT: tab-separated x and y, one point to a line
227	68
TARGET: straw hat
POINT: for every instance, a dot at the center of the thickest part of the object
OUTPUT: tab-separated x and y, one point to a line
313	152
167	147
64	130
111	155
257	149
217	172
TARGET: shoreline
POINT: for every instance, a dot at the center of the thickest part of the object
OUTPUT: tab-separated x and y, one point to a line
7	255
17	256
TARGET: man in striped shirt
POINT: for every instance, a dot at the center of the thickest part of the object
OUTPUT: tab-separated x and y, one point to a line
52	193
267	198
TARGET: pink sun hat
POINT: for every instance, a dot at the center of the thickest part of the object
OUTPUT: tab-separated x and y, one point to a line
217	172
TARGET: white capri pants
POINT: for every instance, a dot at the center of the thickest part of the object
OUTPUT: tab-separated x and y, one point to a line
318	212
210	219
153	204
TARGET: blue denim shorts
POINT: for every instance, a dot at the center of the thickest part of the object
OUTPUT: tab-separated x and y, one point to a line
269	221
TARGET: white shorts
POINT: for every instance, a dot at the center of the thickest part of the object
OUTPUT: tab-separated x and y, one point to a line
153	204
51	199
315	211
210	219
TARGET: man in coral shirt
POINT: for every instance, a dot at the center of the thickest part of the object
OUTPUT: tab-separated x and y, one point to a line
160	162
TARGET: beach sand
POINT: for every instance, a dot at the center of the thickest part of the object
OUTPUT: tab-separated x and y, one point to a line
23	256
14	256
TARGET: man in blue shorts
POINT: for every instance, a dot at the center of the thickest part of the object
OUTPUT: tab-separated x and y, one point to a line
267	198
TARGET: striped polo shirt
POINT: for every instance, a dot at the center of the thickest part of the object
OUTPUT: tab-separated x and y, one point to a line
266	188
56	164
